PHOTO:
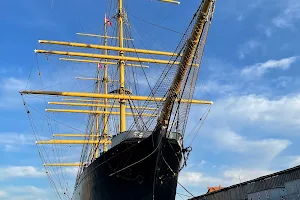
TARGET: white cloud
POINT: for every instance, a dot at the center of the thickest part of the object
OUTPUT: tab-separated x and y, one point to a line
202	162
13	142
265	29
10	69
236	8
9	92
290	13
16	138
72	171
9	148
249	109
211	87
268	32
247	48
282	81
13	84
224	178
250	126
26	189
3	194
9	140
294	161
264	148
198	179
247	127
240	17
31	192
260	69
25	193
241	175
19	172
223	78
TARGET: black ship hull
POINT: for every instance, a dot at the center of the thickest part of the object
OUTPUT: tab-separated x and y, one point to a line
135	168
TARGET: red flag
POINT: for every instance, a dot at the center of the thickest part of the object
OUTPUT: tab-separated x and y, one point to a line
99	66
106	21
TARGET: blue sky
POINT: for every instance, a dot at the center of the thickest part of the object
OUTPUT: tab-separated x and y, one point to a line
249	69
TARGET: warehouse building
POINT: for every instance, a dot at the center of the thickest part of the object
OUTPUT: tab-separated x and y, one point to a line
282	185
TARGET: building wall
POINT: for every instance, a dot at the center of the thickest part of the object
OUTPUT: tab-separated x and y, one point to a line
275	193
281	184
290	191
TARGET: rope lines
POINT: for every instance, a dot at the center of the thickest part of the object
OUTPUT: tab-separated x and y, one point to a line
159	26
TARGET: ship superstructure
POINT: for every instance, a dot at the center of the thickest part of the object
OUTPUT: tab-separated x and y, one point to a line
140	159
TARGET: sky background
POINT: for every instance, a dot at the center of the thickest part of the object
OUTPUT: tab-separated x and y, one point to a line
249	69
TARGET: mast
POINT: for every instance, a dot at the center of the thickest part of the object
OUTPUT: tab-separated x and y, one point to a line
105	82
95	127
121	69
105	117
189	51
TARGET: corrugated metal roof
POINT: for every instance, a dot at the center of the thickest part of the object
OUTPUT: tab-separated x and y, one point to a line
264	182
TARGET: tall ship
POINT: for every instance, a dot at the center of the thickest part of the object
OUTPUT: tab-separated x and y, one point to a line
133	145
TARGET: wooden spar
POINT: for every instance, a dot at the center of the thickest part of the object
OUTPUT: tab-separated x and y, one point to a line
110	57
99	112
170	1
64	164
106	81
121	68
102	36
105	47
105	105
74	135
112	96
112	63
95	142
102	62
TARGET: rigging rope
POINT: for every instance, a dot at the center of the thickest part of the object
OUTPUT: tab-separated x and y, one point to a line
54	147
39	151
185	189
158	25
